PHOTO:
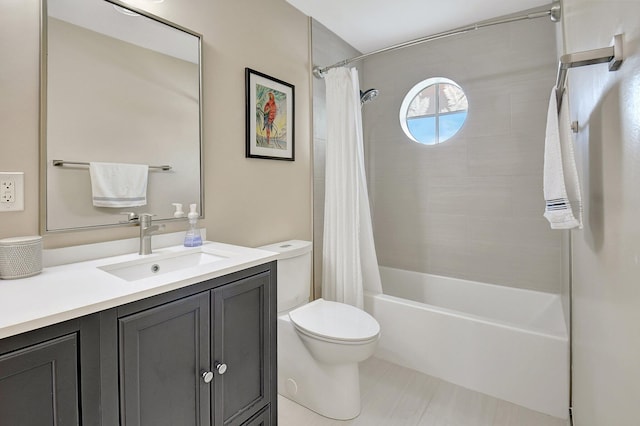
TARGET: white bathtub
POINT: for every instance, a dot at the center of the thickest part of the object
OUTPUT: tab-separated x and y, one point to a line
504	342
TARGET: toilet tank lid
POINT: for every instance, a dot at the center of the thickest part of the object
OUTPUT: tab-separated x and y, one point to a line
289	248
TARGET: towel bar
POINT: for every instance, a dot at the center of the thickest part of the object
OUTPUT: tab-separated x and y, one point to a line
611	54
61	163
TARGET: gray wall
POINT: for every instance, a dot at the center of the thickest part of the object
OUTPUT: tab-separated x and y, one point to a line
327	49
606	253
472	206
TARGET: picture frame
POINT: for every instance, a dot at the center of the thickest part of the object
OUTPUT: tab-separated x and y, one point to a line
270	117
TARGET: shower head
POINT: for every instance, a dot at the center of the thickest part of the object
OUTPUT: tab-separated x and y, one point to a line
368	95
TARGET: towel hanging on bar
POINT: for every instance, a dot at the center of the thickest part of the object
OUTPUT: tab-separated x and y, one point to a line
118	184
561	186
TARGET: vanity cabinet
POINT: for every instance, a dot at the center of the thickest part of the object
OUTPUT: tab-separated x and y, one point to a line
204	355
39	384
202	358
201	355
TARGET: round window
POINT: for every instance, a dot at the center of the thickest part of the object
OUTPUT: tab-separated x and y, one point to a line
433	111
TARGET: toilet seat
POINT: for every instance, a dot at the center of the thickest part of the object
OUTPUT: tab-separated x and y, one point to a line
335	322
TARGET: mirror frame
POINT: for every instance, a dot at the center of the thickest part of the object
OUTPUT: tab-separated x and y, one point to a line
43	163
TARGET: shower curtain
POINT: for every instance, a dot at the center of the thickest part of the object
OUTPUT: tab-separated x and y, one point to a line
349	262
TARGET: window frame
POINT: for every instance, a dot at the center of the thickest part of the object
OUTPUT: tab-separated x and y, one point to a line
410	97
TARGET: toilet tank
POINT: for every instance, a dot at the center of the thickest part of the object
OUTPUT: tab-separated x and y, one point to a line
294	272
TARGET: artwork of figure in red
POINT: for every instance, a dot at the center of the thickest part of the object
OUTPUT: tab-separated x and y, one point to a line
269	115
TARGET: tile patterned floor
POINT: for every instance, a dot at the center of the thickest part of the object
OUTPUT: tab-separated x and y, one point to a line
397	396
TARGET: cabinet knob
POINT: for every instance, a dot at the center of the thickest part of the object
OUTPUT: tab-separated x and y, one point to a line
220	367
207	376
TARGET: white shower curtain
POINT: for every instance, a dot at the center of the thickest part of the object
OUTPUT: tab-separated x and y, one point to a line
349	263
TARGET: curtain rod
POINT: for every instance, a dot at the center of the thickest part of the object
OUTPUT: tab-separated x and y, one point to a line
554	12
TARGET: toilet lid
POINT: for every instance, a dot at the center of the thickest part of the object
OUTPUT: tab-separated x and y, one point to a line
335	321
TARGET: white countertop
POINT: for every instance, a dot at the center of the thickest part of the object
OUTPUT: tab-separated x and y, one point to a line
72	290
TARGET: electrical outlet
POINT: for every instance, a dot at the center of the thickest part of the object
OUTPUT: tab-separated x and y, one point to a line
7	191
11	191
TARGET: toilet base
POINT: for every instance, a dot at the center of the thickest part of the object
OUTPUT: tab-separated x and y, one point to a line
331	390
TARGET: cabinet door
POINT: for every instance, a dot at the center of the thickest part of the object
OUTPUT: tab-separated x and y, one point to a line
39	384
163	352
242	342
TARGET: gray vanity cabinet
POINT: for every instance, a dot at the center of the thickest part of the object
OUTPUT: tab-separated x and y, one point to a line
206	359
201	355
39	384
162	350
241	344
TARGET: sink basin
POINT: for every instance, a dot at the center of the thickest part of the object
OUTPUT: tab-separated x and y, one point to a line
145	268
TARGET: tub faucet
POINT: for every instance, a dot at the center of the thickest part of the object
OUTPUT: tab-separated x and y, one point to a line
146	229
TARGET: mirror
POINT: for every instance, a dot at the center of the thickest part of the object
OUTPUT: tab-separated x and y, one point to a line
118	86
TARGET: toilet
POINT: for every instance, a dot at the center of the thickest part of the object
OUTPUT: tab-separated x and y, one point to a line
320	343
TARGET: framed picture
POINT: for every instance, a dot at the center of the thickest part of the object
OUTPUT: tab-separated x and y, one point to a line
270	116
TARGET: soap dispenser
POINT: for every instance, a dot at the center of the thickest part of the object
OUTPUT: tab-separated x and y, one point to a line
178	213
192	238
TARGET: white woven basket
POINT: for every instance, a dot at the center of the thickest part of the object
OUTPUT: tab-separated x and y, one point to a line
20	257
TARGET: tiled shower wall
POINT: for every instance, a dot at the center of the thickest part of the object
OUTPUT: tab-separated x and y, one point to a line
470	207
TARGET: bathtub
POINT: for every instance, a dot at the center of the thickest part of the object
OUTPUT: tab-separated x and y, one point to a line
508	343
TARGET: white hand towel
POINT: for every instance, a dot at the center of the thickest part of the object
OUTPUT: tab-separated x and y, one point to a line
561	186
119	185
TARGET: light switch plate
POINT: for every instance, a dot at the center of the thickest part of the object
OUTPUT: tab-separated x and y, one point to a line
11	191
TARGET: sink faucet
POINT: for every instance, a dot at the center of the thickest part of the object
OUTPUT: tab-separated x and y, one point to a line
146	229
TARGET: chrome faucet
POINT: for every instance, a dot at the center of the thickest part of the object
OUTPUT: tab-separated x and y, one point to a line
146	229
